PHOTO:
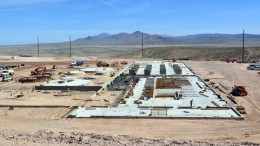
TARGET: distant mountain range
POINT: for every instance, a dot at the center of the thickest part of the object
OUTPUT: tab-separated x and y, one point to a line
136	37
102	35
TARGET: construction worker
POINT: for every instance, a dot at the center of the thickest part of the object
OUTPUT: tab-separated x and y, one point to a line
180	95
191	103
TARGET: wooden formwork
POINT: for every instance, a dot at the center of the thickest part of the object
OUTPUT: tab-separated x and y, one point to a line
171	83
165	83
149	88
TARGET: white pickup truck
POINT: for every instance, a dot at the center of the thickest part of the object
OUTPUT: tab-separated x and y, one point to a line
9	72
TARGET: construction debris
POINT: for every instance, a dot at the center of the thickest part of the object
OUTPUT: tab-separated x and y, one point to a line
229	96
35	79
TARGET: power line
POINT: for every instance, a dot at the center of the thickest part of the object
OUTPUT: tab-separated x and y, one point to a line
70	45
142	45
38	46
243	51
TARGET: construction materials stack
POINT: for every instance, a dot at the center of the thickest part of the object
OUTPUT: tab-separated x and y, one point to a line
133	70
241	109
149	88
164	83
148	70
177	69
162	69
168	83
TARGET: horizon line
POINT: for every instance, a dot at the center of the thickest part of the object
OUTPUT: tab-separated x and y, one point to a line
96	35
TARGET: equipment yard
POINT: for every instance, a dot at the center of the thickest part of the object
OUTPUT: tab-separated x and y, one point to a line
160	100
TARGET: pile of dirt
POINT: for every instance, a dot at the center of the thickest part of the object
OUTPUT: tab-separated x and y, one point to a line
45	137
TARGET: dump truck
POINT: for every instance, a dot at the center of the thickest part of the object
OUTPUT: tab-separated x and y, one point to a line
239	91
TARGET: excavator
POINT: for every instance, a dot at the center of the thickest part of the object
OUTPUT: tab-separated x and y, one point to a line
40	74
239	91
40	71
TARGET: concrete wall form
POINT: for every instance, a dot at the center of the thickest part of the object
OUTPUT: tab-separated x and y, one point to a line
72	88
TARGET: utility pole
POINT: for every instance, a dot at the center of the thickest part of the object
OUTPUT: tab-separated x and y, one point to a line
70	45
243	51
38	46
142	45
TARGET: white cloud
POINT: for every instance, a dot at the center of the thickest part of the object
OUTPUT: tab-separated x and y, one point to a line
109	3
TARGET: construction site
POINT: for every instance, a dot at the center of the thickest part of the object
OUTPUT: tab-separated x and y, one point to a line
88	94
161	89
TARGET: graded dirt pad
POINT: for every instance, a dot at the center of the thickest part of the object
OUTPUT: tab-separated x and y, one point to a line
28	126
35	113
55	98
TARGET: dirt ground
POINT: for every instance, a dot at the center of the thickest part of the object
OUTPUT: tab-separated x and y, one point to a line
230	74
45	127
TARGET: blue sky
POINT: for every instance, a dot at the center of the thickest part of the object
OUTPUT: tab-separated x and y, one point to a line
21	21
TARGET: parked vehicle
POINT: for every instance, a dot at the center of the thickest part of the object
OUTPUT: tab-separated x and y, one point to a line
9	72
254	66
233	60
124	62
239	91
76	63
7	77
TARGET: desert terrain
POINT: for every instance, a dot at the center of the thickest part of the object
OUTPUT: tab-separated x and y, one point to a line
130	72
197	53
49	126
